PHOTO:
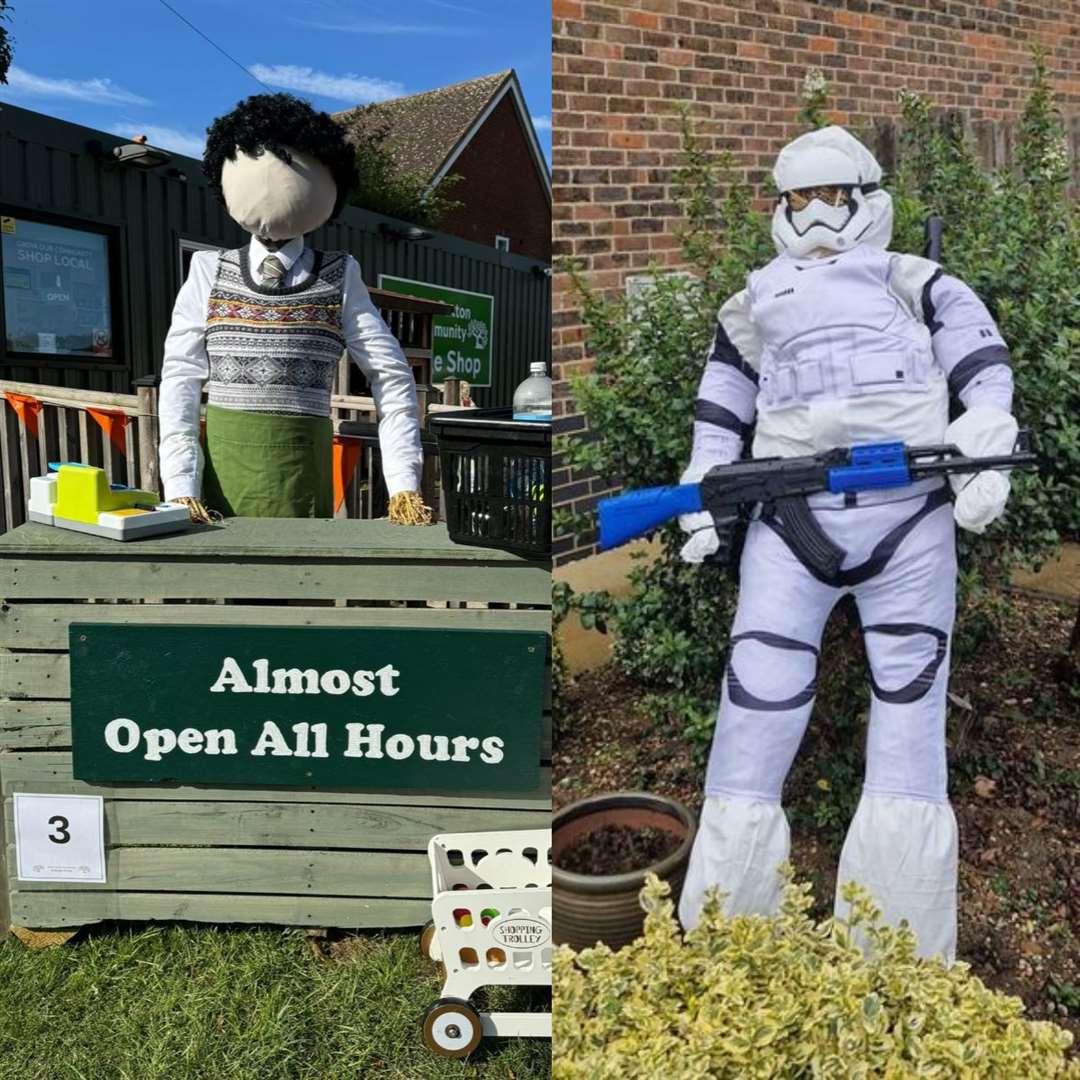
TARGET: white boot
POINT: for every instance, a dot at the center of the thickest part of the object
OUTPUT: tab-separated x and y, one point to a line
739	847
904	852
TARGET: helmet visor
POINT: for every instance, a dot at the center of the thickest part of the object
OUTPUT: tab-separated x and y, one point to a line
831	195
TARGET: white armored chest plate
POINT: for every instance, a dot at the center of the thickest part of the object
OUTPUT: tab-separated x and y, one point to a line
832	329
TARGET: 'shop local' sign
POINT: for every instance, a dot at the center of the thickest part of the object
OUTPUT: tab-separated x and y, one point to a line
461	339
412	709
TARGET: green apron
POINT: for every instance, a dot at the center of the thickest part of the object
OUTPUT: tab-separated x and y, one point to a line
266	465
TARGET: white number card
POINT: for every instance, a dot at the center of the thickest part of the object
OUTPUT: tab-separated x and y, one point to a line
60	837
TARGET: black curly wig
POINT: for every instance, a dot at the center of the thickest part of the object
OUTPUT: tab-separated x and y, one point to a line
277	122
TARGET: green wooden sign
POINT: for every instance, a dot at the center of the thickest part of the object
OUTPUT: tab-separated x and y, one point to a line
300	706
461	339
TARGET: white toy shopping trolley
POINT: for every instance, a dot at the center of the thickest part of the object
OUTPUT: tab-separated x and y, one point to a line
491	925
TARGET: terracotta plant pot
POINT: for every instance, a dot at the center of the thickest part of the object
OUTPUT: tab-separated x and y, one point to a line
604	907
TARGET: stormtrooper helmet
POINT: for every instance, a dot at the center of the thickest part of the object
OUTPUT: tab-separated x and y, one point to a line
830	195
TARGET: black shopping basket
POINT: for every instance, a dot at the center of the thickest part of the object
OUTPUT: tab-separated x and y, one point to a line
496	479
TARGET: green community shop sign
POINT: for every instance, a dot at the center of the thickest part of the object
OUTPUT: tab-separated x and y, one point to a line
462	339
385	709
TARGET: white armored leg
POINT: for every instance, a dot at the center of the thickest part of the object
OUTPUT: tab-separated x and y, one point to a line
739	845
902	844
765	702
904	851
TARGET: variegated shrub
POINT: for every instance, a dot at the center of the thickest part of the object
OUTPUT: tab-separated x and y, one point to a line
749	998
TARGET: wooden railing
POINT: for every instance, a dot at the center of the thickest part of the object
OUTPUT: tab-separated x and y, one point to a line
40	424
53	423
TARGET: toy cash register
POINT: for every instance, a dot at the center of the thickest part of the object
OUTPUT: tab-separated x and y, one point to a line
80	497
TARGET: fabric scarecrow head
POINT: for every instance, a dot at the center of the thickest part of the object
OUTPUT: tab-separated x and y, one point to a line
281	167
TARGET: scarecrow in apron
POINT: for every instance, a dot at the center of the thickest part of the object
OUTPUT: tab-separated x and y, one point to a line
262	327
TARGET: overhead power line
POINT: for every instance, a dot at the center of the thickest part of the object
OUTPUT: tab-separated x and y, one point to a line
210	41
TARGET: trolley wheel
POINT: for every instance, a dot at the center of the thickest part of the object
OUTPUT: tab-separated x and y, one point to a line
452	1028
427	936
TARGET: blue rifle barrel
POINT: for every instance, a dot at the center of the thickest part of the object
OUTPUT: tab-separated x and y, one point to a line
625	517
872	465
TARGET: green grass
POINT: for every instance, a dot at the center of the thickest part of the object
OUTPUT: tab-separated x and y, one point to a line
210	1004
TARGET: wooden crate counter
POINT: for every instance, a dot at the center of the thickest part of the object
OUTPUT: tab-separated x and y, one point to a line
293	856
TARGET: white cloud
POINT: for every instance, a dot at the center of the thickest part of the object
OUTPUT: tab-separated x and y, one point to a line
23	83
356	89
542	123
392	28
180	142
454	7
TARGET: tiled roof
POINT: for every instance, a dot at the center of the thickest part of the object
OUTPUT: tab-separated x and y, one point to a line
425	128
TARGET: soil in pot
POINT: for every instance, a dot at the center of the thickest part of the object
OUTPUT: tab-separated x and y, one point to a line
601	849
617	849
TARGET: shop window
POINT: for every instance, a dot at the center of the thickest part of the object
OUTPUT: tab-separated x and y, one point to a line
187	248
57	286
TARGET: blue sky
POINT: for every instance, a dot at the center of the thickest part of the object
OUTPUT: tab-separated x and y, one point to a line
131	66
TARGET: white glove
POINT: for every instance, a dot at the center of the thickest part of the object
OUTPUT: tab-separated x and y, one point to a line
704	539
981	497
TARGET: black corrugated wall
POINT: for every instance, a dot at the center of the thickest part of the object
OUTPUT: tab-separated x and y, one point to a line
47	166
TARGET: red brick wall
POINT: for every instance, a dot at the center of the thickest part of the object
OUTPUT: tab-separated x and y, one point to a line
619	68
502	191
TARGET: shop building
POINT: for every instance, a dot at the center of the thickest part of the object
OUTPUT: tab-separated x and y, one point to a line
95	248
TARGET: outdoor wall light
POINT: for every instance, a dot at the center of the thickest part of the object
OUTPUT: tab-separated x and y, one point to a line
141	154
411	233
137	152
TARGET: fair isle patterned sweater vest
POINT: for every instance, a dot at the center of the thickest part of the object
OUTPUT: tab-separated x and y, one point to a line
274	349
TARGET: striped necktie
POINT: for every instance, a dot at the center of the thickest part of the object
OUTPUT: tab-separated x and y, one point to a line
272	270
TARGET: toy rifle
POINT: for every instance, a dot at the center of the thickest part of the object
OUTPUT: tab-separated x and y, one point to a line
933	230
729	491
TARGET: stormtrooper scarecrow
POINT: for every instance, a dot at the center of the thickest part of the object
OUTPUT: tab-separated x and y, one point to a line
263	328
836	342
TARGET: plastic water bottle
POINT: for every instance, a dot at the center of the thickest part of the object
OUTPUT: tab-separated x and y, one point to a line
532	399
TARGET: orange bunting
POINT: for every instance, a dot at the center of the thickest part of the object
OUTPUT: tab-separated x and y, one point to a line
114	424
26	409
346	457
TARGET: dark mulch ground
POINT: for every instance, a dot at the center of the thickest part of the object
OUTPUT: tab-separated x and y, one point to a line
1015	786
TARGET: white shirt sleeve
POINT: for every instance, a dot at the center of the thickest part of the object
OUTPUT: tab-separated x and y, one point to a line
184	371
379	356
